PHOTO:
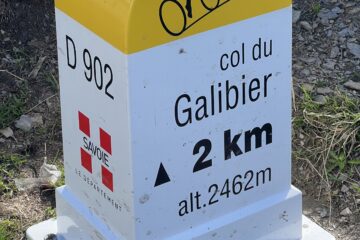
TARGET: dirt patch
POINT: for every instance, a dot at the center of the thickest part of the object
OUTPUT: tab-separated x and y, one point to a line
27	35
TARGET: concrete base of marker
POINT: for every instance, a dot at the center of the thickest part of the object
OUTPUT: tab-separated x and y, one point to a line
42	230
310	230
77	222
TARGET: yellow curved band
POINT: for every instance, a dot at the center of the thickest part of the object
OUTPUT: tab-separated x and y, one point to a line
135	25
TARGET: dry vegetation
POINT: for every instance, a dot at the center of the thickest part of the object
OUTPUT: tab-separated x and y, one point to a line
328	142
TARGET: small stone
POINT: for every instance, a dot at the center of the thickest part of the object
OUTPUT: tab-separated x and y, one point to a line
346	32
324	91
7	132
25	123
325	15
320	99
296	16
343	220
306	25
329	33
355	10
334	52
346	212
342	40
308	87
343	177
305	72
323	213
37	119
352	85
2	140
330	65
344	189
337	10
354	49
315	25
310	60
307	212
297	66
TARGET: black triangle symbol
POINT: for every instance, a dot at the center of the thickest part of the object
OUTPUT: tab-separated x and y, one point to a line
162	176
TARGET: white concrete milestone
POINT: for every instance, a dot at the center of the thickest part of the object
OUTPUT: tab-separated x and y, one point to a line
176	132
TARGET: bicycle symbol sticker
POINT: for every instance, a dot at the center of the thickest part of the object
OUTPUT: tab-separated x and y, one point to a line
176	26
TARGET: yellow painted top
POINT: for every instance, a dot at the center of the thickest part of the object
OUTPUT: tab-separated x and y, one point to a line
135	25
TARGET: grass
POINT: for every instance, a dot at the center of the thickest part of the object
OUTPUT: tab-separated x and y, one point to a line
356	76
20	58
50	212
61	181
316	7
16	222
53	82
7	229
13	107
321	84
10	165
332	131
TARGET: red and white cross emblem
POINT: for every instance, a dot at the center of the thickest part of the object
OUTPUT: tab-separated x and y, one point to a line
105	144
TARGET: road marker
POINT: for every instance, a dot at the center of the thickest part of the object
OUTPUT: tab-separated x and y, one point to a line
182	113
